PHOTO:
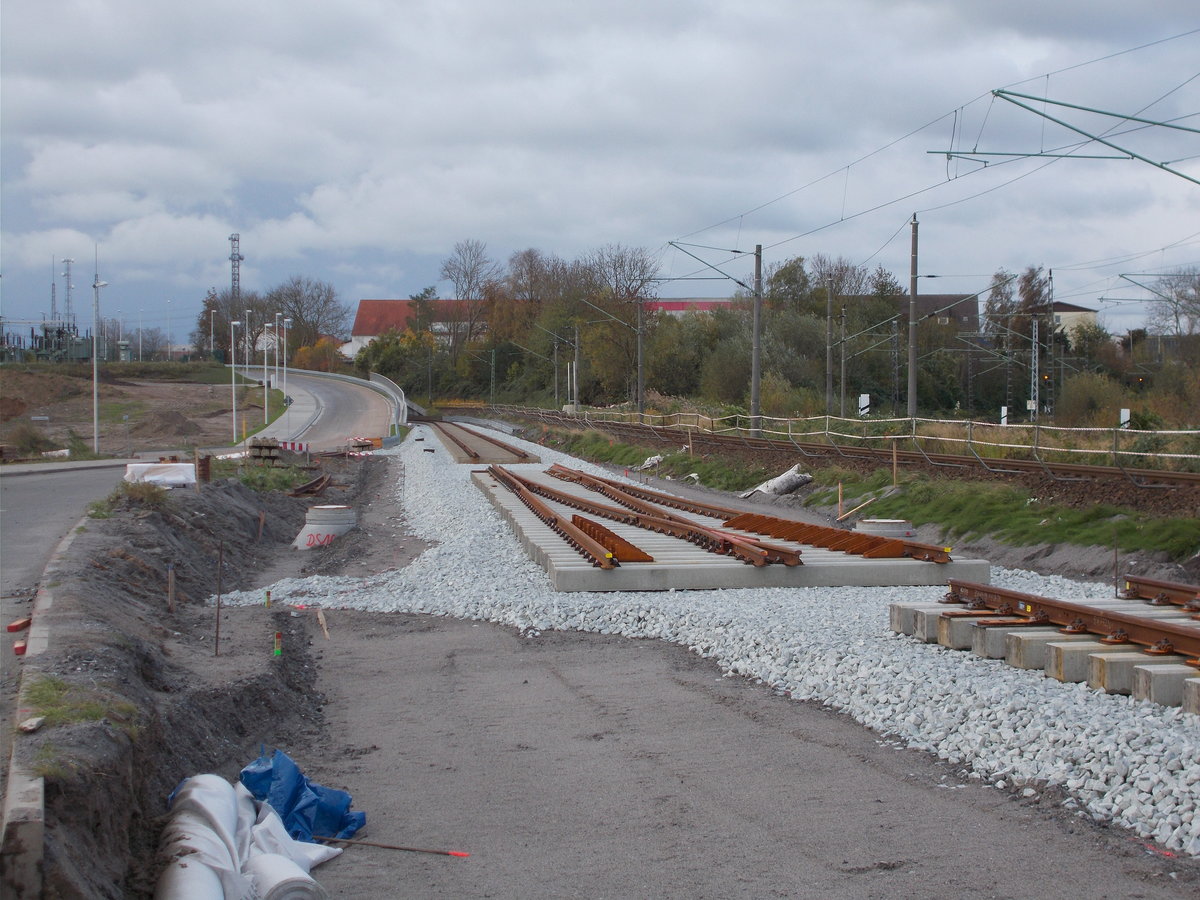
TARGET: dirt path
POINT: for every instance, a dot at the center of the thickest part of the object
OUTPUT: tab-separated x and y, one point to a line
574	765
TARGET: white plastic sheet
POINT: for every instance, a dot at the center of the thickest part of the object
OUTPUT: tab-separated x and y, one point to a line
217	837
165	474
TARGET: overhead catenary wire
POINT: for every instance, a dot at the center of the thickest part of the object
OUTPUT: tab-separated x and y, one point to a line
958	122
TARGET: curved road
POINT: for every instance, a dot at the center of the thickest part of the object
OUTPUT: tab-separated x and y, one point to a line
38	508
326	413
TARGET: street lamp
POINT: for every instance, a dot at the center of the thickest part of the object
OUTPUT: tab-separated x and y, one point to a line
233	376
96	285
267	387
275	343
212	326
246	329
287	404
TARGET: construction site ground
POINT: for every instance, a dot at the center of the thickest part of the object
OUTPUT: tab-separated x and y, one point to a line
556	760
568	764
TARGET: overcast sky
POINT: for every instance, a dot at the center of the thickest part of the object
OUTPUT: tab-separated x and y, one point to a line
356	142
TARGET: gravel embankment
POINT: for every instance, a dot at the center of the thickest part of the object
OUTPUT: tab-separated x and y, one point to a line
1131	762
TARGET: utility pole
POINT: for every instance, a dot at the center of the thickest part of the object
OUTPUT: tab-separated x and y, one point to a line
641	372
842	380
756	349
575	373
1033	369
828	346
912	324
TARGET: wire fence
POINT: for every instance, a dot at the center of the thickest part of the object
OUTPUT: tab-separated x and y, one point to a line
1176	451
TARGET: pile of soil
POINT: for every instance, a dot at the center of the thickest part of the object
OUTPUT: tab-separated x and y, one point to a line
181	689
166	423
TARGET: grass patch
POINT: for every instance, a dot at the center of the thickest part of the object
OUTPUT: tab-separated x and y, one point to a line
48	764
61	704
140	494
261	478
968	510
714	471
113	411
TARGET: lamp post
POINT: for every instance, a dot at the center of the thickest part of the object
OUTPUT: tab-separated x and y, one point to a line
96	285
212	325
233	376
275	343
266	381
170	356
246	330
287	404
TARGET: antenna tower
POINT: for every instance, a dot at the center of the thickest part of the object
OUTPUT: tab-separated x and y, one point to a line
235	259
53	292
69	314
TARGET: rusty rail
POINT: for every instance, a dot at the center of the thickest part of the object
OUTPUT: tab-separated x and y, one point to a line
1163	593
1156	637
316	486
587	546
747	549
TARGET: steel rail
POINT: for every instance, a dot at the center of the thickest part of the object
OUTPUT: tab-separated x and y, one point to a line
440	427
507	448
869	546
587	545
747	549
693	506
1158	637
1163	593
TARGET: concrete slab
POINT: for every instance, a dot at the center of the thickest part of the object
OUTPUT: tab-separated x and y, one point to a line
680	565
1162	684
958	632
1113	671
925	623
990	641
1069	660
902	616
1191	696
1024	650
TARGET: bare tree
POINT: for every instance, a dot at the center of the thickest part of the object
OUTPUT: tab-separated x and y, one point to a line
844	278
314	308
624	279
470	270
1176	307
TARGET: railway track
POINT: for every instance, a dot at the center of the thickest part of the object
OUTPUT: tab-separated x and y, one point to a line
1146	642
472	445
703	441
735	533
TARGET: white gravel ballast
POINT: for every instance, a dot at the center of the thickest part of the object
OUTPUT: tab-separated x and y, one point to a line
1129	761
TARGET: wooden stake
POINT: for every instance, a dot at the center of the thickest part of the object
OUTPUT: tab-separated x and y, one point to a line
839	515
321	619
262	520
220	566
893	463
171	587
391	846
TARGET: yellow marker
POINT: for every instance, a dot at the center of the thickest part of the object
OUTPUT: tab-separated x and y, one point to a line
268	599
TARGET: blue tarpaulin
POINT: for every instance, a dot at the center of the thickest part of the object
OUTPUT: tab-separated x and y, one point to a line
307	809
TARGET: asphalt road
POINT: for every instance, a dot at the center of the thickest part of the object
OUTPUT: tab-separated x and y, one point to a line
37	511
327	413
